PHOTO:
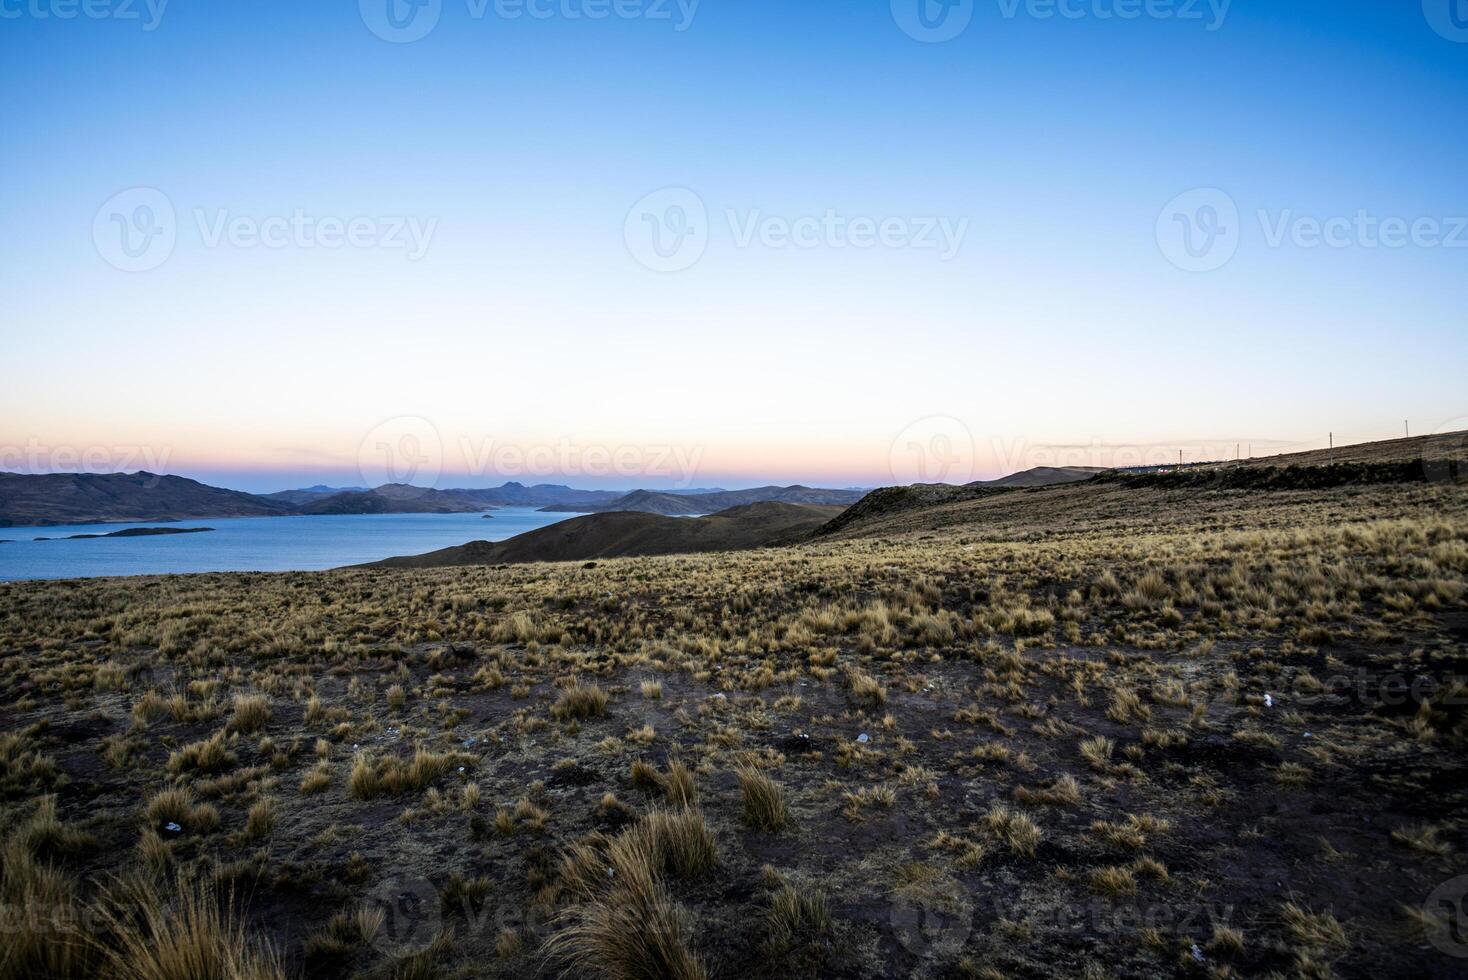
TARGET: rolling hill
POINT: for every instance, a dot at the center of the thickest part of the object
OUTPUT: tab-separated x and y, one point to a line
1426	448
541	495
88	498
306	495
692	504
394	498
1269	490
1043	476
623	533
892	500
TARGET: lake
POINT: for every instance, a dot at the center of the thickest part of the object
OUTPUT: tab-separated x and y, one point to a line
252	544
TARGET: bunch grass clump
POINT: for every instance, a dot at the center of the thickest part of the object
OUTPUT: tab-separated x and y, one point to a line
580	701
764	801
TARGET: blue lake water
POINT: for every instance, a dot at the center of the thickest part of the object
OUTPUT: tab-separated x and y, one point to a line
252	544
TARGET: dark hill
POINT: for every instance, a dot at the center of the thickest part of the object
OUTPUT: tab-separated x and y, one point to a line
623	534
394	498
1043	476
87	498
688	504
306	495
540	495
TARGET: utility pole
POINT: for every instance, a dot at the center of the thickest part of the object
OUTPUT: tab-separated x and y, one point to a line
1406	429
1179	459
1332	449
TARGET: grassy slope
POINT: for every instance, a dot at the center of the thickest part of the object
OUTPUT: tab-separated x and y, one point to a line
1070	769
1109	503
625	534
1438	446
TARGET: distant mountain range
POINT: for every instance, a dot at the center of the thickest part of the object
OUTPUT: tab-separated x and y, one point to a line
308	495
84	498
541	495
630	526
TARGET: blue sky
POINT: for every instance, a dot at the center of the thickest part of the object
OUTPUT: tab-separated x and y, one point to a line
524	314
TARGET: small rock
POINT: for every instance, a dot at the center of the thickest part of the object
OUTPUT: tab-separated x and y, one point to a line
863	738
172	829
1268	701
1197	953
